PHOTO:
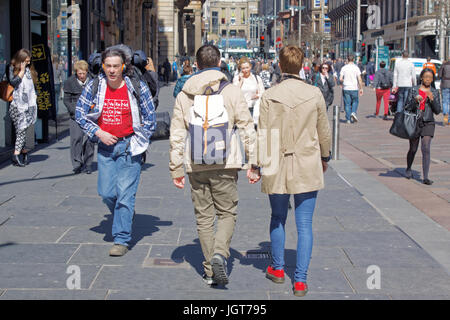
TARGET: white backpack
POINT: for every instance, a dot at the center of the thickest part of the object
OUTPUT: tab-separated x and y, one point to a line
209	127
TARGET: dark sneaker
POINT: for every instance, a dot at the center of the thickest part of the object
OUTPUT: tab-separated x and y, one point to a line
276	276
209	280
118	250
408	174
219	266
300	289
428	182
385	117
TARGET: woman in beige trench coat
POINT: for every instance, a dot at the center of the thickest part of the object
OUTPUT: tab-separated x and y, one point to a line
294	143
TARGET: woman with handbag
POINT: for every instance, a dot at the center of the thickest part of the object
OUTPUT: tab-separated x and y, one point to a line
425	98
23	108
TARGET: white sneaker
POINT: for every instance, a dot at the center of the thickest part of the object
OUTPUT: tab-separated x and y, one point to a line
354	118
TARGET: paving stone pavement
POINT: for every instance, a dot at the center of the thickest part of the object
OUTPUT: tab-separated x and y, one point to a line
51	220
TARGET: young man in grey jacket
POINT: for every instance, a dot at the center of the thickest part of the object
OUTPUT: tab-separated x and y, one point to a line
404	79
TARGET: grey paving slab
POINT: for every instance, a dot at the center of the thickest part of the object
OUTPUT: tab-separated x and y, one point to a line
140	235
385	239
98	254
420	297
54	218
137	278
206	294
43	276
54	294
413	257
36	253
83	201
288	295
37	234
402	281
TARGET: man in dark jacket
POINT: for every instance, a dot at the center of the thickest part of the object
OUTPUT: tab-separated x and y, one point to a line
382	84
444	75
81	148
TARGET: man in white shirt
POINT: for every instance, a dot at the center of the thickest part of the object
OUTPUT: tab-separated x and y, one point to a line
404	79
350	78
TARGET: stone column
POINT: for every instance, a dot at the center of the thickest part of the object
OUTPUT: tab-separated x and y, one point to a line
198	28
176	36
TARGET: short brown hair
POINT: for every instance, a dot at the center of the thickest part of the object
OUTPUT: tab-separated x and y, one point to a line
81	65
291	59
265	66
208	56
187	69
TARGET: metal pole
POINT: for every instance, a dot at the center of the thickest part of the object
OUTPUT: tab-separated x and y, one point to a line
406	25
322	28
358	26
275	25
336	124
299	23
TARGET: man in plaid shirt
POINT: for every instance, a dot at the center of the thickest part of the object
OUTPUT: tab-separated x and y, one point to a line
121	119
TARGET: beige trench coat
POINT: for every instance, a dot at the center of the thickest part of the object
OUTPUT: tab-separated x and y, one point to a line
293	135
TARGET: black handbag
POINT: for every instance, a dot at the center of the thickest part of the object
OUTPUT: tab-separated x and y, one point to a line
406	124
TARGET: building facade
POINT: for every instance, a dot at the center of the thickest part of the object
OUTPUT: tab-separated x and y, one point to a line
384	21
421	28
233	19
74	29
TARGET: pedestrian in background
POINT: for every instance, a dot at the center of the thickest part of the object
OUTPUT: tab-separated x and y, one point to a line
265	76
382	84
425	98
444	75
251	86
81	148
325	82
404	79
296	162
123	124
167	71
187	73
350	79
175	70
58	77
21	75
214	185
370	72
430	65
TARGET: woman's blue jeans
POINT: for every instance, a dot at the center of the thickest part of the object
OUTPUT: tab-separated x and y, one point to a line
118	181
305	204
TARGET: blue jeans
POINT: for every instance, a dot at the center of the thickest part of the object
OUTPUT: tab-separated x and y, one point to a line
402	97
118	180
351	100
445	100
304	209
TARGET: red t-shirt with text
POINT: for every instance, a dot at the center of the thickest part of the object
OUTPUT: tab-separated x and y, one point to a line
116	117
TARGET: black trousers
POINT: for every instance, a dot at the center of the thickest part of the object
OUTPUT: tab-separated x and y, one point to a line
81	148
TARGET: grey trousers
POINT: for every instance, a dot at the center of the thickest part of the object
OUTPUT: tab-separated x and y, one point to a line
81	148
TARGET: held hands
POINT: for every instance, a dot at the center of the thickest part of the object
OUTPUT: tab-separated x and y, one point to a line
253	175
179	182
324	166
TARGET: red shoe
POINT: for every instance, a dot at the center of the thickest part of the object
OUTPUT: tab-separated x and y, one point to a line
276	276
300	289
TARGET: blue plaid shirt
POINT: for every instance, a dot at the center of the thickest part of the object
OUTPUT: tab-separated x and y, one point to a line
89	108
